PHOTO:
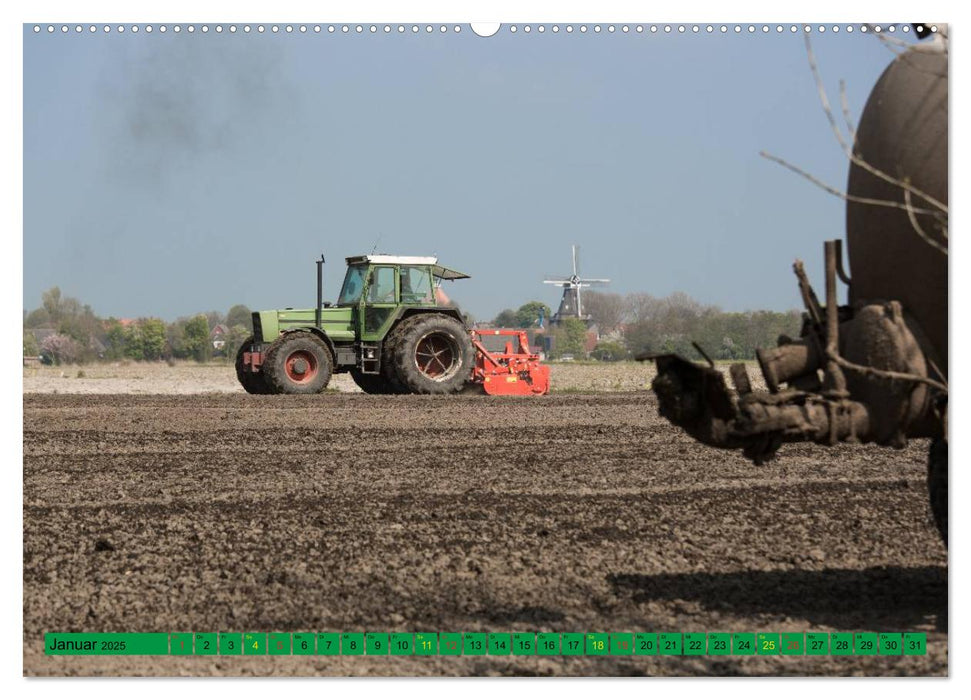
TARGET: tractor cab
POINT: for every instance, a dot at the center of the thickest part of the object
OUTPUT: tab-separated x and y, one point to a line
394	279
382	288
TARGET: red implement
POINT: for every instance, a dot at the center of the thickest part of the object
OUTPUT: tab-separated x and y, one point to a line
513	372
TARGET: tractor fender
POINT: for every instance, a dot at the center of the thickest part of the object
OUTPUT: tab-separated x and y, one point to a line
451	311
320	334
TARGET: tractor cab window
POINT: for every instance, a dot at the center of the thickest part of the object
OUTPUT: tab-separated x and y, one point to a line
381	286
353	286
416	285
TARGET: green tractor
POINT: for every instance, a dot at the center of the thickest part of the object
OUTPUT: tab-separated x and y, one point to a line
392	328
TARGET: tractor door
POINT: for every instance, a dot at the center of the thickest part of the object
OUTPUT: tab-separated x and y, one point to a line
379	302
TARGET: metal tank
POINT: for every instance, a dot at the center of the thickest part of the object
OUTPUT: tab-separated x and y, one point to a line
903	133
874	370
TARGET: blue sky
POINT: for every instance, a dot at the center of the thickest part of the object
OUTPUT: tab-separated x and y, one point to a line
166	174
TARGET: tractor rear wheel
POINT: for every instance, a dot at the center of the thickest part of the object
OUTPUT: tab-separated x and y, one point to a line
372	383
298	363
389	369
253	382
937	484
433	354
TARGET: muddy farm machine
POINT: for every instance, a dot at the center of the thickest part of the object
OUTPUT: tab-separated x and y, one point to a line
394	330
874	370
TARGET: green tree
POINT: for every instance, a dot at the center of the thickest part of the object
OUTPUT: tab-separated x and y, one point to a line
609	351
51	300
240	315
115	339
506	319
527	315
197	338
569	337
145	340
175	336
153	338
31	348
38	318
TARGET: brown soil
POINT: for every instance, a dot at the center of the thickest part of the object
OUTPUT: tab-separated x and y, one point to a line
344	512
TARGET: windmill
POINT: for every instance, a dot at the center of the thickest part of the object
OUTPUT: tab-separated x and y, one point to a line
571	305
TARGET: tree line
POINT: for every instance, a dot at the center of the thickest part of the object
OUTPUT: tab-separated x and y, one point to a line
627	325
635	323
70	332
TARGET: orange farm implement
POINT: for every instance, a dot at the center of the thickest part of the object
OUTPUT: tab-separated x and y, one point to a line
515	371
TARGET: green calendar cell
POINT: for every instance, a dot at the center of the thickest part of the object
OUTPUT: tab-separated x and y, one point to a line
450	644
767	643
402	644
548	644
915	643
743	644
645	644
865	643
793	643
475	644
303	644
376	643
719	644
426	644
596	644
500	644
254	643
571	644
621	643
230	643
695	643
352	644
891	643
206	644
523	643
841	644
817	643
180	644
669	643
279	644
328	643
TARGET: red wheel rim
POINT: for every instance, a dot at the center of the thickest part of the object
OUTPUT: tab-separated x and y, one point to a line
301	367
435	356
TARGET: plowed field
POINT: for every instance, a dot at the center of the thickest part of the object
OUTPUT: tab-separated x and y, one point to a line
348	512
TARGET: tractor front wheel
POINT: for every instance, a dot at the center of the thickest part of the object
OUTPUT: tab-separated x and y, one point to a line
937	484
253	382
298	363
433	355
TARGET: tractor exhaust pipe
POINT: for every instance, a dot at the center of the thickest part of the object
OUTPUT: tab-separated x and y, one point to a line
320	290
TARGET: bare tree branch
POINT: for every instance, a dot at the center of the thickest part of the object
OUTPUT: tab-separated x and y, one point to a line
843	195
844	102
847	149
917	227
888	374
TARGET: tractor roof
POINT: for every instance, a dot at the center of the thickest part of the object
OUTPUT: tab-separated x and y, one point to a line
439	271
